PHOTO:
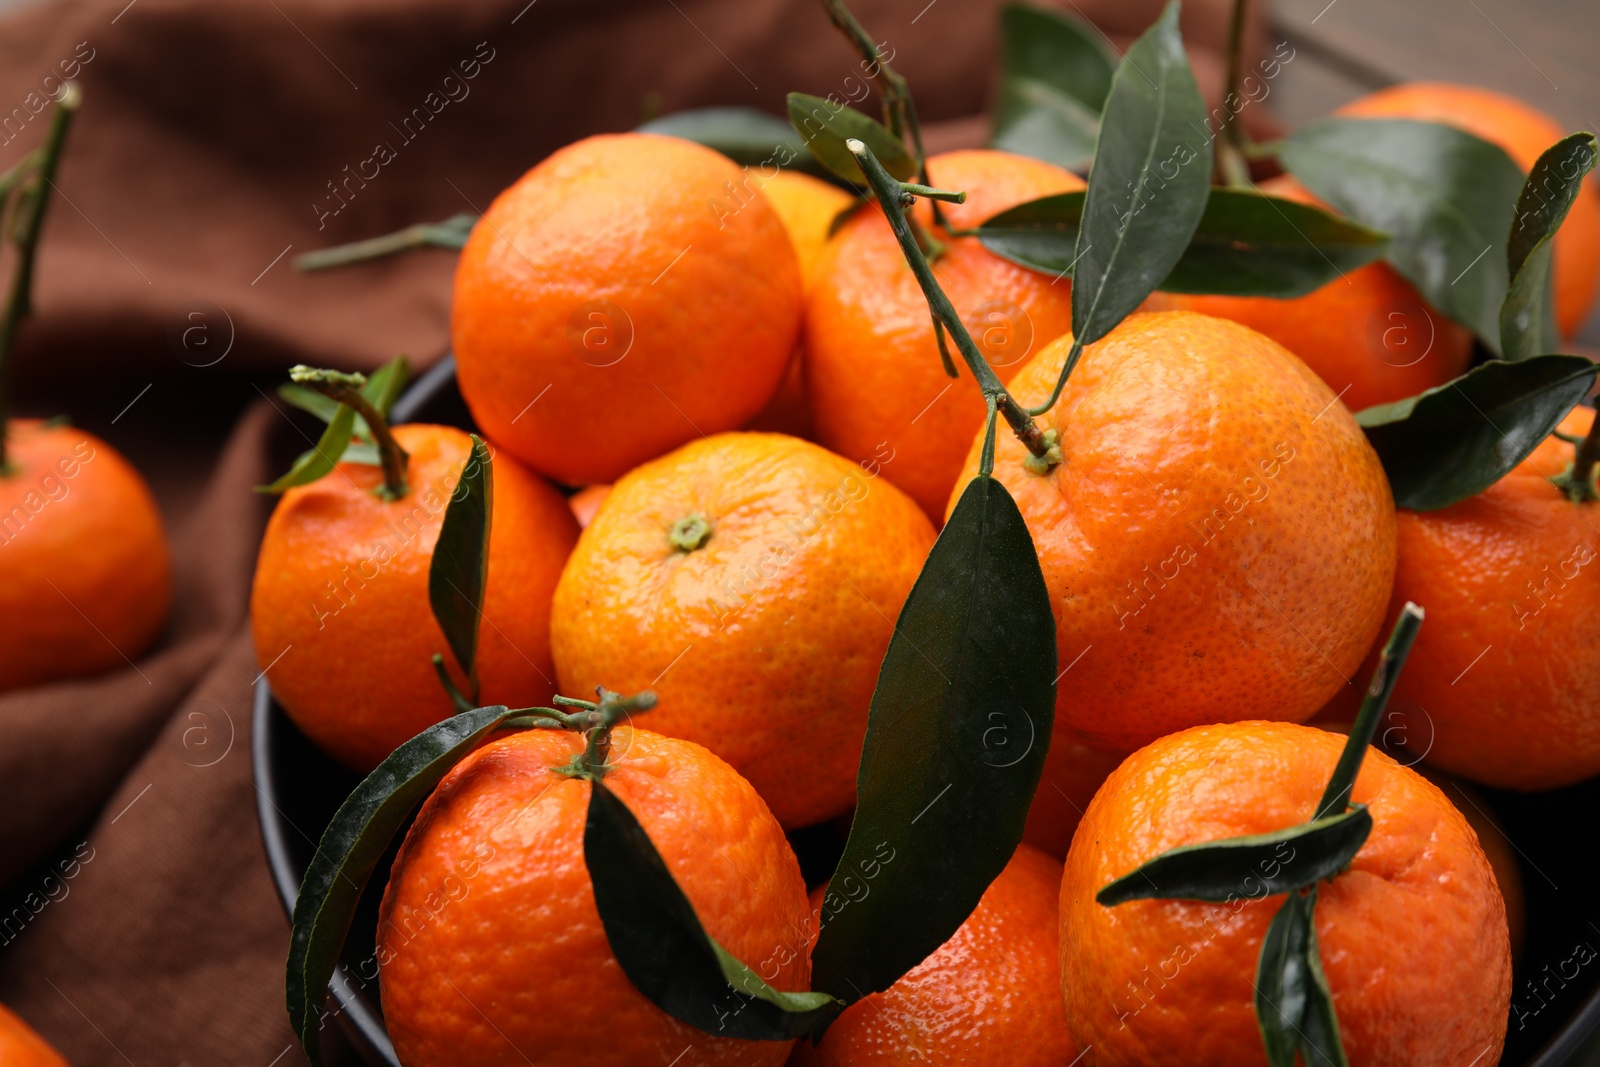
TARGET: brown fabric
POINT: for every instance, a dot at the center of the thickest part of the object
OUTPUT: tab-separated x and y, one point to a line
202	162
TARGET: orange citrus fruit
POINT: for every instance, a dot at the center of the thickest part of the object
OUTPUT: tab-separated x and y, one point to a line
586	501
986	996
752	581
1218	540
21	1047
1412	934
1502	680
1072	773
1524	132
873	372
1368	334
807	206
88	577
490	949
340	613
626	278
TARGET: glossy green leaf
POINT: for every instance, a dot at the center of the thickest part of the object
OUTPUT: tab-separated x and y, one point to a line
743	134
459	571
1245	245
1283	978
665	951
1054	77
825	126
1250	867
956	740
323	456
1458	439
1527	318
1444	196
1320	1043
352	845
1151	178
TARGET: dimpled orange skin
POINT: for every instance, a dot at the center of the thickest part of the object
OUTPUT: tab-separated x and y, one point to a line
85	573
1524	132
490	949
707	287
1218	540
764	643
352	664
1511	582
873	373
986	996
21	1047
1412	934
1368	334
1072	773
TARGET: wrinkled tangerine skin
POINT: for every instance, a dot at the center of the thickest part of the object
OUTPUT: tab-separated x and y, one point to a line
1524	132
1412	934
20	1046
873	373
653	301
764	643
1510	579
85	573
341	583
1368	334
986	996
1218	540
490	949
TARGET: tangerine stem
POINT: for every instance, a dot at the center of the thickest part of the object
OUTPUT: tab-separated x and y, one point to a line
1578	480
451	233
30	222
1231	166
346	389
1016	417
1337	796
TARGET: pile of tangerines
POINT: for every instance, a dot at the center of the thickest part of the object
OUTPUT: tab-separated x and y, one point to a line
722	432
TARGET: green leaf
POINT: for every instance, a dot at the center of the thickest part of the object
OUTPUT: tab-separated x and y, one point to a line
956	740
309	400
1336	797
1527	318
1054	77
383	388
1456	440
351	846
1444	196
1283	978
1151	178
1222	871
825	126
327	452
1246	244
1320	1044
743	134
459	570
665	951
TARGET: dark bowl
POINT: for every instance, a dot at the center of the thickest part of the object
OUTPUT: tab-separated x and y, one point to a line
1555	1017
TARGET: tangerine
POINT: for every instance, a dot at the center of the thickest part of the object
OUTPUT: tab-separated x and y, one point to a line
88	576
1503	680
1412	934
20	1046
986	996
1072	774
624	276
1218	539
751	581
1524	132
873	372
340	612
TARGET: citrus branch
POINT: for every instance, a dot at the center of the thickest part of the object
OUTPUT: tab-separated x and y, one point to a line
28	222
1231	167
346	389
890	195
